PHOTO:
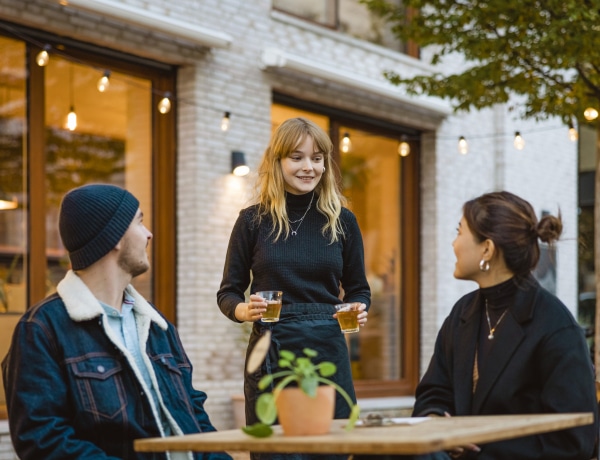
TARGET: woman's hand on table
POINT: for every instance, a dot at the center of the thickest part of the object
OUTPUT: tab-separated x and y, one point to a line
458	452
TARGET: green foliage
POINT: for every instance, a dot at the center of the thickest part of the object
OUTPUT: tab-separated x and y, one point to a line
546	51
307	376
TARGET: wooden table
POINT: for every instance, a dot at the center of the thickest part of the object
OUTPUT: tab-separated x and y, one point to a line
435	434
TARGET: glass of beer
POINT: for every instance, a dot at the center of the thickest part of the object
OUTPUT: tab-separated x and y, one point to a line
273	299
347	316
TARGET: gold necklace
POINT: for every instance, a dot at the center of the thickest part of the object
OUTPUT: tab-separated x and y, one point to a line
487	315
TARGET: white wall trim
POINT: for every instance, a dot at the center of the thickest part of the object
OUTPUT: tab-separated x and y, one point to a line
150	20
276	58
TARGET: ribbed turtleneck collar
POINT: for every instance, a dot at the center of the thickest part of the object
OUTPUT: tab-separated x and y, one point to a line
299	203
501	295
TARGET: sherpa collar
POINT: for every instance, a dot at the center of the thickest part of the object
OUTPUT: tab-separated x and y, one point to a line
81	304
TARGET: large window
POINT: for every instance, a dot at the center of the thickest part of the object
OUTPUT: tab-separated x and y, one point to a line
119	138
382	191
348	16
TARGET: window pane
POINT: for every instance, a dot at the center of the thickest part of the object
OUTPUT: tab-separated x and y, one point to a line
321	11
371	180
13	212
111	144
355	19
13	198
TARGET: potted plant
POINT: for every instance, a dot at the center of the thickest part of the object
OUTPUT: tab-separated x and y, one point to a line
312	389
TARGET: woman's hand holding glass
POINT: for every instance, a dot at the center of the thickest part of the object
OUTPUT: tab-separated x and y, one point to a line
251	311
362	316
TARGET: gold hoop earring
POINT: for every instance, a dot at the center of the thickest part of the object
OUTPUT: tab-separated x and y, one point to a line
484	265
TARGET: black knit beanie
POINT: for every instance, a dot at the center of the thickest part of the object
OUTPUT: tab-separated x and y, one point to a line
93	219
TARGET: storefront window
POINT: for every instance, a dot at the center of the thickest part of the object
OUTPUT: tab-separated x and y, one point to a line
112	143
371	180
119	138
13	198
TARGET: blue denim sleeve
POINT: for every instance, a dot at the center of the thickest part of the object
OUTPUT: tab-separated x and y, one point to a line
37	399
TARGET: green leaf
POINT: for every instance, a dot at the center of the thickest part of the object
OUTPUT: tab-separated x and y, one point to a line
284	354
266	411
327	369
265	381
309	386
258	430
304	365
310	352
284	363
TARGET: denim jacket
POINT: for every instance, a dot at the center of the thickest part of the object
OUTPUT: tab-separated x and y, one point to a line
72	392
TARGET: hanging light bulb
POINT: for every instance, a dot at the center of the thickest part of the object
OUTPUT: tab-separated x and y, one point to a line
463	146
164	106
573	134
72	119
104	81
346	143
71	123
403	147
225	121
519	142
43	57
590	114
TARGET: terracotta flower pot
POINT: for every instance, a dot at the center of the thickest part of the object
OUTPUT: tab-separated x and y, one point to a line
301	415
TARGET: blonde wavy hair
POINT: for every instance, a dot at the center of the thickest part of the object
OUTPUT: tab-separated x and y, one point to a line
270	185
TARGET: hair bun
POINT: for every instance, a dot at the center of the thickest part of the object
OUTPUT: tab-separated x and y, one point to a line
549	228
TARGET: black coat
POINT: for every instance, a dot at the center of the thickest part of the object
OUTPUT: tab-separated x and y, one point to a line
539	363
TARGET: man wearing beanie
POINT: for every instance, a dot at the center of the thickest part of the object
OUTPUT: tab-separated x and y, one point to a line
95	366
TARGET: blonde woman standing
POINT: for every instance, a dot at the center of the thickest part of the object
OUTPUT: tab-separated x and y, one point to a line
300	239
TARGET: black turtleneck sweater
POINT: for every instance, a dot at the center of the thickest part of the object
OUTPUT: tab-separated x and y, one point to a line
499	299
307	267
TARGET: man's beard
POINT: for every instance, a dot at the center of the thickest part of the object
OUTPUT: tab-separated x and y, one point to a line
133	265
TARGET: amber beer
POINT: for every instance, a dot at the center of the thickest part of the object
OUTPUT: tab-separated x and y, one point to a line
273	311
273	299
347	315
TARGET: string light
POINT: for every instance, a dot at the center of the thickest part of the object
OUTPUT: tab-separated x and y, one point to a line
573	134
72	119
225	121
164	106
346	143
590	114
403	147
463	146
43	57
104	81
519	142
72	116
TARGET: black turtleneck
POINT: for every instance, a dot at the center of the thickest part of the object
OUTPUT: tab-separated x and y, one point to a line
307	267
499	298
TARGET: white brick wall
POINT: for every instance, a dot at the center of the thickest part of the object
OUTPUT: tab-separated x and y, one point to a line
218	80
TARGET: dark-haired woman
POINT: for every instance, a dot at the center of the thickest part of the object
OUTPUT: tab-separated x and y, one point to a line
509	347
